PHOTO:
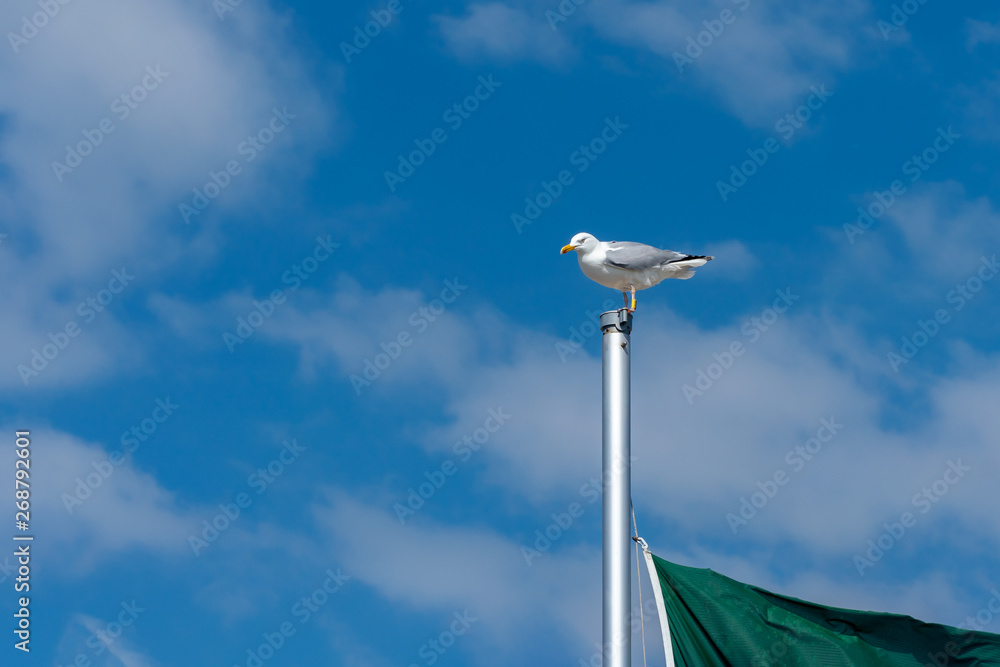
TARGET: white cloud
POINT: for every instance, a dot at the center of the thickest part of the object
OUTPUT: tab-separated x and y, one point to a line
981	104
981	32
946	233
215	83
121	649
497	31
696	462
86	637
122	509
326	330
931	239
761	64
451	568
734	260
119	510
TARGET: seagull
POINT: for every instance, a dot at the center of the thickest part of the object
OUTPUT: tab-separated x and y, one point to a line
629	266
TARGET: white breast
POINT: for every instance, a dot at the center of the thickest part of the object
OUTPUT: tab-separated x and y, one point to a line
593	267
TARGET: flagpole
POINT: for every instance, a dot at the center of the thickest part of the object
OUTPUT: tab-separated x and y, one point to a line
616	327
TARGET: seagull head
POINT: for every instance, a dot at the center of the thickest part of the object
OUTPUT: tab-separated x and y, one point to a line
582	241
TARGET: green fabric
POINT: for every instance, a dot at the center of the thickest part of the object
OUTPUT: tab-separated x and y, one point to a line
718	622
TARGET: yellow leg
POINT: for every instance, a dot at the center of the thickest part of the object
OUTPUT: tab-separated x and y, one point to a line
632	309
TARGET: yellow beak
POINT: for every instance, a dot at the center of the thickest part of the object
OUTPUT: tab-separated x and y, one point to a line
566	248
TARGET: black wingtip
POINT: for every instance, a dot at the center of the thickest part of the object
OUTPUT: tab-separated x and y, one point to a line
687	257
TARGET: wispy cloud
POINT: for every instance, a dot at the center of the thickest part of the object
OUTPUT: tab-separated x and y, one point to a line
756	58
504	33
981	32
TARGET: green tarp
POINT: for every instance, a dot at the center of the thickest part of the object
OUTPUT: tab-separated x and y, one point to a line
717	622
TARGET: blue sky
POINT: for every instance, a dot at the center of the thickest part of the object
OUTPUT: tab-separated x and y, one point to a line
201	247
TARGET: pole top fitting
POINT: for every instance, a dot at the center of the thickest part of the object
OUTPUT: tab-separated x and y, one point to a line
619	321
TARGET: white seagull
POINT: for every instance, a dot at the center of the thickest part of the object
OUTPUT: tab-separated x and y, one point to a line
629	266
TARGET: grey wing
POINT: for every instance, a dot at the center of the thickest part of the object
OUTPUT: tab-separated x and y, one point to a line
639	256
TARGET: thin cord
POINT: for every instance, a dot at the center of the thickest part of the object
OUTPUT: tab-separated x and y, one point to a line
642	621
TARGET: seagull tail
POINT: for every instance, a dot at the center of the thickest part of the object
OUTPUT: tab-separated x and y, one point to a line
692	260
684	268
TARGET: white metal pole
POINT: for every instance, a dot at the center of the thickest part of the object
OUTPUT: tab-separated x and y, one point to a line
616	327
